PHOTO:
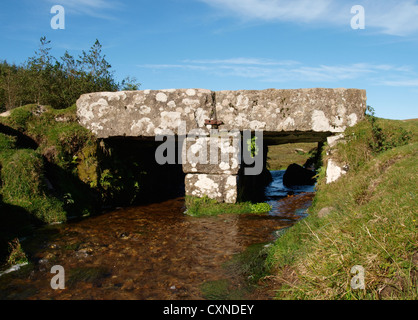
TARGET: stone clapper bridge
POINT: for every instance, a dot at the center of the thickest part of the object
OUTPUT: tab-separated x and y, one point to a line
283	116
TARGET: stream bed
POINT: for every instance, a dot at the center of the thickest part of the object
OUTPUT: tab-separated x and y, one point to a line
155	251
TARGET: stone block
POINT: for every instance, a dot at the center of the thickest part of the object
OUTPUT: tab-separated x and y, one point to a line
334	171
275	110
215	154
223	188
145	113
334	140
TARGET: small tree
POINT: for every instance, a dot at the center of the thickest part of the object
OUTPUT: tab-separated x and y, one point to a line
40	67
130	84
7	84
96	70
43	79
12	85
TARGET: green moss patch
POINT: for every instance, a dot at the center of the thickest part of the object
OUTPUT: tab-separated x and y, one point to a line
209	207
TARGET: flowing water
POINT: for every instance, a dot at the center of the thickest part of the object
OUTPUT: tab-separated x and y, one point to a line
155	251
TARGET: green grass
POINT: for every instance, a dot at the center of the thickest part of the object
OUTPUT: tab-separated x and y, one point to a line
216	289
17	255
205	206
247	269
20	117
367	139
23	185
250	263
7	142
279	157
223	289
373	224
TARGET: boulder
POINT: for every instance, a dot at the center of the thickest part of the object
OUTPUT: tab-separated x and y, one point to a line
325	211
297	175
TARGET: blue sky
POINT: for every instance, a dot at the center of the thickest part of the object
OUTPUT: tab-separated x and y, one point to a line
236	44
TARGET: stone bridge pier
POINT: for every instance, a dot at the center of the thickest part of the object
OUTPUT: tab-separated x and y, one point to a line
223	134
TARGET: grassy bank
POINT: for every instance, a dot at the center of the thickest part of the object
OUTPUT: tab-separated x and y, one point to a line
41	172
371	222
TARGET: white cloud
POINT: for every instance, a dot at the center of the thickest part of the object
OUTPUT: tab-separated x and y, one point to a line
300	10
244	61
96	4
394	17
401	83
93	8
172	66
277	71
398	17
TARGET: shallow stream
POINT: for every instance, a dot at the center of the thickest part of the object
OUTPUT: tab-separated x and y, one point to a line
155	251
